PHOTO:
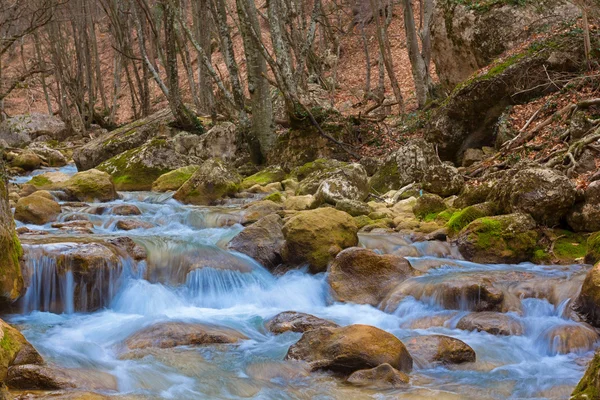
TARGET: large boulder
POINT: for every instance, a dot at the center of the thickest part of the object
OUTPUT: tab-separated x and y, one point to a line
11	279
350	348
588	302
501	239
27	161
20	130
222	141
469	117
254	211
593	248
210	183
263	241
347	183
543	193
362	276
49	180
36	210
88	186
467	37
125	138
439	349
138	168
315	237
291	321
171	334
442	179
585	216
15	350
175	179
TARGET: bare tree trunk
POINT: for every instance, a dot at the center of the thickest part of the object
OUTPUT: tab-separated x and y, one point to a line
202	24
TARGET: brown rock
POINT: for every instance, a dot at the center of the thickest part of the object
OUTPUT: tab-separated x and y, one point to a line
491	322
131	224
383	376
36	210
439	349
297	322
263	241
44	377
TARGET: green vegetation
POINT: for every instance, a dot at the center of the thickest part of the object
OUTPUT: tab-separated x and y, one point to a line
589	386
264	177
276	197
40	181
593	249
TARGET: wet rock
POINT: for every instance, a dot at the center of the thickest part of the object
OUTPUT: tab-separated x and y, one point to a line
43	377
210	183
36	210
270	370
292	321
383	376
439	349
362	276
315	237
544	193
407	165
27	160
263	241
268	175
299	203
257	210
442	179
172	334
350	348
125	209
430	321
572	338
428	204
82	227
15	350
131	248
138	168
20	130
585	216
173	180
494	323
588	302
47	180
501	239
588	387
347	183
89	186
131	224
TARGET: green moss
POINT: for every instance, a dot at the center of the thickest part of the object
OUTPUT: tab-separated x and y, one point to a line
571	246
445	215
264	177
593	249
321	164
429	204
362	221
276	197
387	178
464	217
175	179
588	387
40	181
541	256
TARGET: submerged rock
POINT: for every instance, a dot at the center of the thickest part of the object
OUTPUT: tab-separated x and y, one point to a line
263	241
439	349
350	348
296	322
491	322
570	338
315	237
36	210
131	224
362	276
15	350
210	183
173	334
43	377
383	376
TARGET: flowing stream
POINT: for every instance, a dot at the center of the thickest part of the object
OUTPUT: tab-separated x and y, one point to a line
190	276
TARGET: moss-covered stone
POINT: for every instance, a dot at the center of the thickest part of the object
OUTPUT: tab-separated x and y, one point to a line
92	185
467	215
264	177
27	160
11	278
209	184
175	179
588	387
593	248
276	197
501	239
36	210
15	350
428	206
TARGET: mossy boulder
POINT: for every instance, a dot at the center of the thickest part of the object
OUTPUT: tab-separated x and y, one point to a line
27	161
299	203
347	183
585	216
276	197
545	194
213	181
442	179
48	180
472	194
501	239
460	219
11	253
315	237
593	248
89	186
138	168
362	276
588	387
36	210
268	175
588	302
428	205
15	350
349	349
173	180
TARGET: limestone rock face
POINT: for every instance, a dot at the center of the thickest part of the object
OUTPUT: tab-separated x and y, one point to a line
543	193
466	39
350	348
20	130
263	241
296	322
502	239
36	210
362	276
315	237
211	182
